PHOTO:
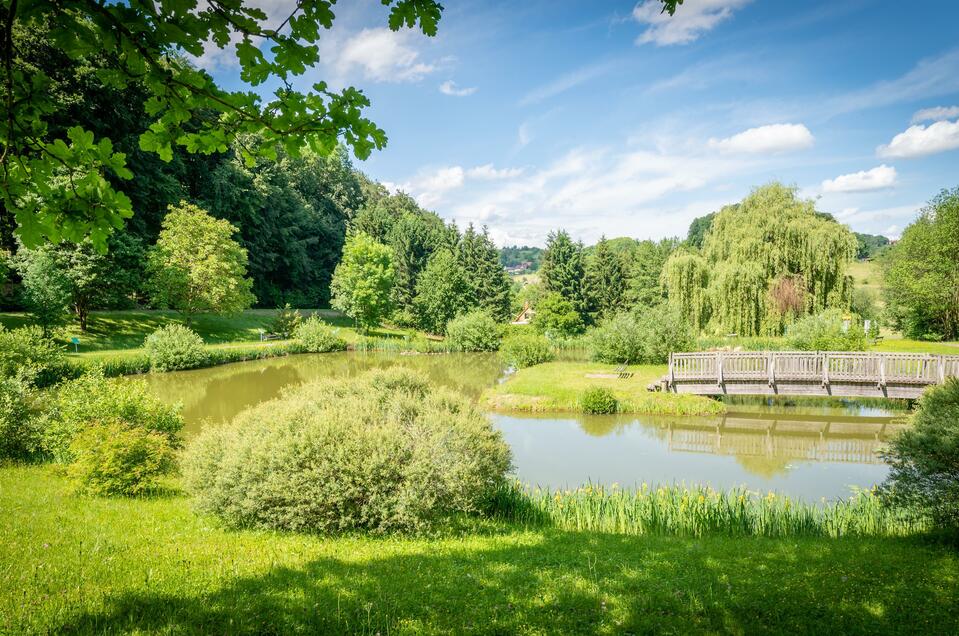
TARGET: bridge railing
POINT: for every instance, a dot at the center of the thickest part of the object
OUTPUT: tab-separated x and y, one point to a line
820	366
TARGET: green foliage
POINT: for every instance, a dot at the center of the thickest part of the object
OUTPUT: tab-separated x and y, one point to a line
825	332
196	266
645	271
92	398
646	336
315	336
870	245
286	321
20	430
45	288
557	317
442	292
29	356
606	279
514	256
62	185
174	347
924	458
116	459
363	280
526	349
474	331
414	237
382	452
770	235
696	236
563	271
598	401
922	272
488	282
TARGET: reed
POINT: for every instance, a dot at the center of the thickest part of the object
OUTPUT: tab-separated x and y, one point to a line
700	511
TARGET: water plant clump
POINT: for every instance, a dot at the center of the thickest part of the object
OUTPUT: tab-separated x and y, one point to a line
598	401
699	511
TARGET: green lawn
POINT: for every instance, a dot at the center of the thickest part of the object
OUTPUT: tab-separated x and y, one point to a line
902	345
72	565
557	386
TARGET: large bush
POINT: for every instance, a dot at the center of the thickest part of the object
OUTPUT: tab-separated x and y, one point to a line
646	336
474	331
116	459
924	458
526	350
26	354
825	332
20	436
286	321
557	317
385	451
93	399
174	347
315	336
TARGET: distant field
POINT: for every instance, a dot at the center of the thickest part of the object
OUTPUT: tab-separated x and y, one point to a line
526	279
867	275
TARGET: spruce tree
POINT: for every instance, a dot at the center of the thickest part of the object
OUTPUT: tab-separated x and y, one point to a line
489	284
605	280
563	270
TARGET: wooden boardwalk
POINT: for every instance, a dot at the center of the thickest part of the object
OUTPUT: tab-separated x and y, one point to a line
822	373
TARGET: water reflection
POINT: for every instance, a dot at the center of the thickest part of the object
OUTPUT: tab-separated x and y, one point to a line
808	456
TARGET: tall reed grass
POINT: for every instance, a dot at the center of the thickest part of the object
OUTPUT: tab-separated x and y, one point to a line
698	511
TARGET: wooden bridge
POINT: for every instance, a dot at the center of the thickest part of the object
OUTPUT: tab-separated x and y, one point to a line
822	373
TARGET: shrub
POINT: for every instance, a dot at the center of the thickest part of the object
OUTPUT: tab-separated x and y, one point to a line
647	336
117	459
93	398
20	432
174	347
475	331
526	350
556	317
315	336
924	458
286	321
27	355
824	332
381	452
598	401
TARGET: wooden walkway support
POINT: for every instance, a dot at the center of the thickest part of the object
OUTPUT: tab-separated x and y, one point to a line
823	373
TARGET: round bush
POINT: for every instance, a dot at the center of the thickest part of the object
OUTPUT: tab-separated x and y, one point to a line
475	331
174	347
646	336
598	401
526	350
20	430
382	452
93	398
26	354
315	336
117	459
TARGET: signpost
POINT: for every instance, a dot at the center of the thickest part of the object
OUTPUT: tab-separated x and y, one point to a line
76	344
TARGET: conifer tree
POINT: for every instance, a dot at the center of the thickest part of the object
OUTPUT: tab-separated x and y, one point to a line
606	280
489	284
563	270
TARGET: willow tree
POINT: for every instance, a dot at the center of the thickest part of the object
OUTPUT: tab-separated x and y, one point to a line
771	236
686	277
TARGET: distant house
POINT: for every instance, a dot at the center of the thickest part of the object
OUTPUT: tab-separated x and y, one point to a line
525	266
524	316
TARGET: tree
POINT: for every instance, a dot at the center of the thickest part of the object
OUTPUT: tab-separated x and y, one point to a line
556	316
62	187
922	271
45	288
606	280
414	238
644	286
196	265
562	270
488	281
442	292
698	229
363	281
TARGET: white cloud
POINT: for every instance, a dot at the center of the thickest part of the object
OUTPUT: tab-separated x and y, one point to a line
523	136
937	113
383	56
773	138
488	173
876	179
919	141
692	19
449	88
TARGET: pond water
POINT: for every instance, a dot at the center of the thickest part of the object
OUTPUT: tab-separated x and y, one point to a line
808	449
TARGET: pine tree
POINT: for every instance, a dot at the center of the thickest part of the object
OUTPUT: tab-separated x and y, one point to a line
563	271
605	280
489	284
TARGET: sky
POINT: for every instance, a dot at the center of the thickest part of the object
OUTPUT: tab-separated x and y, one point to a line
610	118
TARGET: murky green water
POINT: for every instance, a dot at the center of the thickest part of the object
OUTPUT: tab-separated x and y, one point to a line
804	449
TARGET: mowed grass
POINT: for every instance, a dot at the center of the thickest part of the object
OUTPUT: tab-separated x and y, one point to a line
904	345
73	565
558	386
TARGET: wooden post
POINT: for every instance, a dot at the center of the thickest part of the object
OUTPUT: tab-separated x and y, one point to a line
882	371
825	369
942	370
771	363
672	373
719	368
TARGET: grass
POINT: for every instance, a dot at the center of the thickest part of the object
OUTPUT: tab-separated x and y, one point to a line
904	345
558	386
867	275
72	565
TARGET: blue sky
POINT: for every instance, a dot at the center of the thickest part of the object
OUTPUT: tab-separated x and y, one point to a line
607	118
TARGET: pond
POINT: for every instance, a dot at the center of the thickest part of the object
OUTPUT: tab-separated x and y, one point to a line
807	449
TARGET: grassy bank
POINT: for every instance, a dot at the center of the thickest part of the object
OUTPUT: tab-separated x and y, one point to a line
558	386
109	566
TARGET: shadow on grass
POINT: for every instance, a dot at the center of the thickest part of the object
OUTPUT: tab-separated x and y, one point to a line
574	583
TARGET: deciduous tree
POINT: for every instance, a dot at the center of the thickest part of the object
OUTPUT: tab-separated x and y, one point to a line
363	281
